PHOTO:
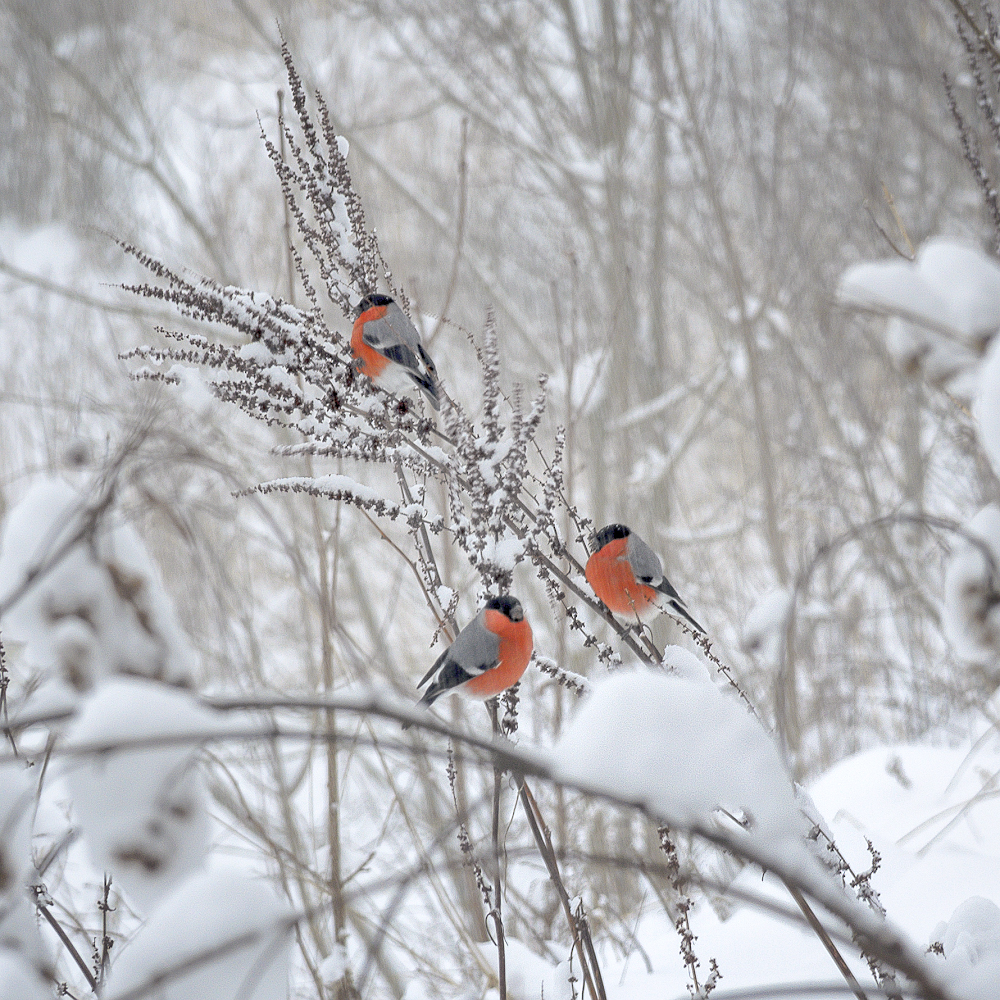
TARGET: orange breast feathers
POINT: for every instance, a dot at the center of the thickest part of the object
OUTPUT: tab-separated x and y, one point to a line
610	575
372	363
515	651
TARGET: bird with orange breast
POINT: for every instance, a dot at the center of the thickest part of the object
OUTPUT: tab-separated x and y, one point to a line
627	575
489	655
387	348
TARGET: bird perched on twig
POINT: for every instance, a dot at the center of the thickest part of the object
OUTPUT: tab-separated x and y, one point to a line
627	575
489	655
387	348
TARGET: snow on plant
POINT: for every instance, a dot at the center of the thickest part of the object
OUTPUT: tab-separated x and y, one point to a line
143	812
682	732
505	504
77	587
81	592
944	309
970	943
222	933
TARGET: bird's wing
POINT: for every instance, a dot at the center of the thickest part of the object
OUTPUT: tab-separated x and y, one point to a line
476	649
392	330
396	338
647	568
644	561
430	673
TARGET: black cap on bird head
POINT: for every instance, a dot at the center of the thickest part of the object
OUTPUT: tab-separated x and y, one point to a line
371	299
609	533
507	605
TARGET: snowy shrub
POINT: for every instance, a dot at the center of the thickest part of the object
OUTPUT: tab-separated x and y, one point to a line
79	590
143	813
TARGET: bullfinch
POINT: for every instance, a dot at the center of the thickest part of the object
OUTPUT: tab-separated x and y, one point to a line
489	655
387	348
627	575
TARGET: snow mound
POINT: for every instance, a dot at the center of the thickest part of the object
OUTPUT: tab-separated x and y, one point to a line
683	663
221	933
971	940
95	605
671	743
143	811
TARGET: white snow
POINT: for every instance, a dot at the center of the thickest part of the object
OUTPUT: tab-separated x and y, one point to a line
971	940
528	975
951	287
143	812
682	739
683	663
505	552
222	933
195	392
943	360
18	980
928	810
97	610
332	968
971	612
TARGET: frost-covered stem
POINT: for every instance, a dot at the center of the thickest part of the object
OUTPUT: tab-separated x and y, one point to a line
580	930
984	39
681	922
497	911
476	881
284	203
705	643
426	555
106	943
64	937
861	884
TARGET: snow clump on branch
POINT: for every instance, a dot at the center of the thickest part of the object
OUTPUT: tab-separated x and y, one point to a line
690	752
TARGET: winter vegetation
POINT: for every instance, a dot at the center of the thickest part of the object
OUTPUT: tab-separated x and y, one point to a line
726	273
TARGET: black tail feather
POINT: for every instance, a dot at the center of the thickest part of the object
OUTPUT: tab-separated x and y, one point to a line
682	611
427	386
